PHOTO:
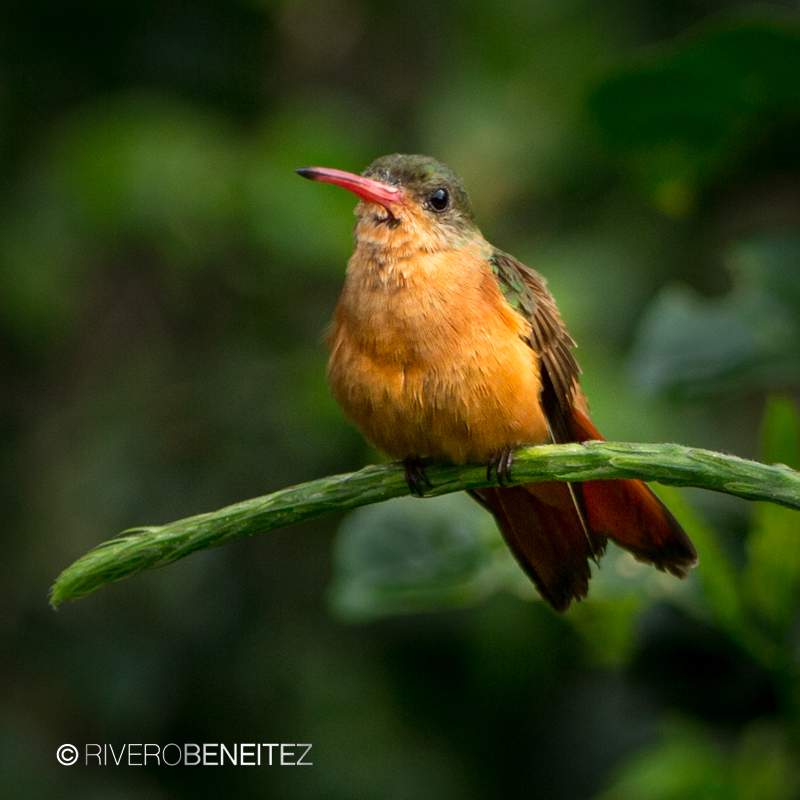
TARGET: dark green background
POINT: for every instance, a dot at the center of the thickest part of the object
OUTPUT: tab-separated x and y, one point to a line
165	281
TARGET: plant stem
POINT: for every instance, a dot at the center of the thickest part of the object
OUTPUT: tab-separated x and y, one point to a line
145	548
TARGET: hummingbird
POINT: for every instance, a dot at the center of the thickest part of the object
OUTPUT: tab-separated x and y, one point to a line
443	347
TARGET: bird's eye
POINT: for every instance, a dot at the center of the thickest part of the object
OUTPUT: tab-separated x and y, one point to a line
439	199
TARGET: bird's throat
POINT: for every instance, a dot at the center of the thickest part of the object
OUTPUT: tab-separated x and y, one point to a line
385	239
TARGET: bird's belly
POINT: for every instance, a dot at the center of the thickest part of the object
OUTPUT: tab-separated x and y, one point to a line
454	404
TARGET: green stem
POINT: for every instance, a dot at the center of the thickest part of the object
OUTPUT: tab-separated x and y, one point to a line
141	549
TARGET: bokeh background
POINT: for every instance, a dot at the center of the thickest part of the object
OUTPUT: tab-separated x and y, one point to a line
165	281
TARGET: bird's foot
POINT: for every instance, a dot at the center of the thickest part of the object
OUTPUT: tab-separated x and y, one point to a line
415	475
501	465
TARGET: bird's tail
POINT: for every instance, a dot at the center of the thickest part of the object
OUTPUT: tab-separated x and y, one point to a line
554	529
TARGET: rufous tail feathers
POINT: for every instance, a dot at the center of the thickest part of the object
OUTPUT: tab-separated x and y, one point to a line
555	528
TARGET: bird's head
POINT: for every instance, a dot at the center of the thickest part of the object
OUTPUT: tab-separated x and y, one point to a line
408	202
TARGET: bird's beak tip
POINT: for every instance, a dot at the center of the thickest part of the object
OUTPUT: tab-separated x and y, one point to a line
364	188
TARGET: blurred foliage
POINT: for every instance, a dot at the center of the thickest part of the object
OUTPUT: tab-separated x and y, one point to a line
404	556
757	607
165	280
690	764
699	109
750	338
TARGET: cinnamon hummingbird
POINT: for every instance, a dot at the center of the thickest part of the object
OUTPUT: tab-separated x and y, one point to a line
444	347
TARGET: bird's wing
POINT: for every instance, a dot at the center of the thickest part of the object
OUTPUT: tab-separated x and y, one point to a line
526	291
554	528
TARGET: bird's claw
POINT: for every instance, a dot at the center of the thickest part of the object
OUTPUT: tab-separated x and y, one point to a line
501	465
414	471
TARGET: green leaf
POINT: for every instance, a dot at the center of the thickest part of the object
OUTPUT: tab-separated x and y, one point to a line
690	345
408	555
